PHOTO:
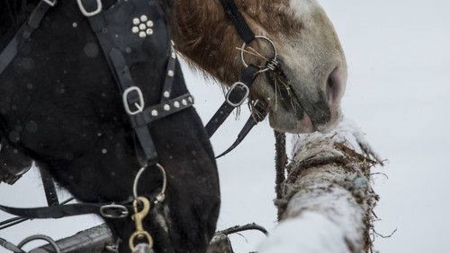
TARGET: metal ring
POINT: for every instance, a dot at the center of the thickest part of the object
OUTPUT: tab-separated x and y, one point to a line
92	13
274	59
161	196
140	234
40	237
104	211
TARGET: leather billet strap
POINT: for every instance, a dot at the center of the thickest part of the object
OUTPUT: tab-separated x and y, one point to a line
24	33
238	20
237	95
259	113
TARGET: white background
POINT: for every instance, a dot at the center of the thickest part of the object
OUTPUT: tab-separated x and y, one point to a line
398	52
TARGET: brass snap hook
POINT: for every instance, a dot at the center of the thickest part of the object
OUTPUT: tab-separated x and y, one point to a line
138	218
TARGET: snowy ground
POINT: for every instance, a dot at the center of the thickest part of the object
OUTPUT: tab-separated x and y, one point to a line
398	92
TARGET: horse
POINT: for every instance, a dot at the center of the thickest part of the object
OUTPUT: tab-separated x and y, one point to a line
312	65
59	106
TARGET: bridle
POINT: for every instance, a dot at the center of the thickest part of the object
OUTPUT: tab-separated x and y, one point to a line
240	90
118	56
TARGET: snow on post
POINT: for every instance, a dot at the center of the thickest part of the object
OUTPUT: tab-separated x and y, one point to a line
327	199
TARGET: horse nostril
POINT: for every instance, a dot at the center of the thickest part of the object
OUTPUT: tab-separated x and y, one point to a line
334	86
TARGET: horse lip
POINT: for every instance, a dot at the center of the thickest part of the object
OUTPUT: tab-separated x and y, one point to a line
301	111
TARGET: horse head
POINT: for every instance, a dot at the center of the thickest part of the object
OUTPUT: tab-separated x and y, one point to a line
304	93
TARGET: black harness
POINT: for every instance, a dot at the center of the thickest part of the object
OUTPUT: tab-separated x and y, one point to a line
120	54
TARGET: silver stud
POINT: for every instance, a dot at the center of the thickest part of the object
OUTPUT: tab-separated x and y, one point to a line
166	94
135	29
150	23
174	55
167	107
136	21
142	27
144	18
184	102
142	34
191	99
149	31
176	104
154	113
170	73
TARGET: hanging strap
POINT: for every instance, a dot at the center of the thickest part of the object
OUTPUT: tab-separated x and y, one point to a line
24	33
238	20
49	187
235	97
259	113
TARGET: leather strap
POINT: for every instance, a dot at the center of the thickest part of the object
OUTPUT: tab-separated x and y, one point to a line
60	211
247	78
49	188
238	20
258	115
24	33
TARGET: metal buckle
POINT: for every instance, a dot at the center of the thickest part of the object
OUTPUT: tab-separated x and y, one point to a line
52	3
273	60
114	211
235	86
139	105
92	13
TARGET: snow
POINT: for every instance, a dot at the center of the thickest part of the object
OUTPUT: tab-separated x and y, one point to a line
398	92
294	234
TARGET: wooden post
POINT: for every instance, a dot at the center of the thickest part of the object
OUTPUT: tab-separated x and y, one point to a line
327	200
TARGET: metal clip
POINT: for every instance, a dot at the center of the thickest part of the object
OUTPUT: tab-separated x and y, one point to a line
138	218
236	85
52	3
90	13
139	104
114	211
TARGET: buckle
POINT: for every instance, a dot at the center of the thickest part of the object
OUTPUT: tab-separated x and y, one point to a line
114	211
90	13
139	104
52	3
234	88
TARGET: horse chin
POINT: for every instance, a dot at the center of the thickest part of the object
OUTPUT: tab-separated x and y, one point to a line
284	121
